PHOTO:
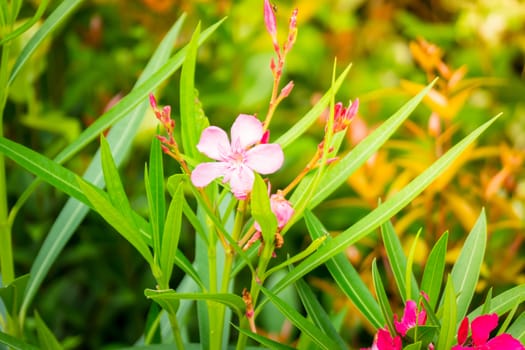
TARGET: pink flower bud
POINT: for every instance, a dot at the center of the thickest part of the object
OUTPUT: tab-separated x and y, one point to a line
152	101
269	20
287	89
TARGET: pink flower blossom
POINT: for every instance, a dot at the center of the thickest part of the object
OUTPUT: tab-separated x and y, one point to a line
384	341
281	208
236	161
411	318
481	327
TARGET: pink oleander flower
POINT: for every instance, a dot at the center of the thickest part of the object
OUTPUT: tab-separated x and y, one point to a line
411	318
384	341
281	208
236	161
481	327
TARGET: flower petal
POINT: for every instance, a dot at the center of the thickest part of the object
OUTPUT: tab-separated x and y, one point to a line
246	131
463	331
265	159
214	143
482	326
241	181
505	342
205	173
408	320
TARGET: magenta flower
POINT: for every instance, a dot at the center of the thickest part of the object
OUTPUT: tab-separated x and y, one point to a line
384	341
481	328
236	161
411	318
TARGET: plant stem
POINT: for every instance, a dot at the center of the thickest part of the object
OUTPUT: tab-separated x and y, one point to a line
6	256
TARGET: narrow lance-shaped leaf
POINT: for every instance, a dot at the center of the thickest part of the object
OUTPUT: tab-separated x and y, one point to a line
434	269
189	132
46	338
304	325
449	318
170	238
269	343
116	192
261	210
384	302
317	313
154	179
503	302
397	260
466	269
346	277
382	213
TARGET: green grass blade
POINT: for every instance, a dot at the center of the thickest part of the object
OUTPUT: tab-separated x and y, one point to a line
449	318
15	343
118	138
171	234
503	302
311	116
58	16
317	313
398	261
434	269
384	303
347	278
304	325
382	213
233	301
466	269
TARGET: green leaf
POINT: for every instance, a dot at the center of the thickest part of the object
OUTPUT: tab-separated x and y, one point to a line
384	302
378	216
304	325
517	329
449	318
119	139
261	210
188	126
503	302
465	272
398	261
116	192
170	237
182	262
46	338
58	16
116	219
270	344
27	24
233	301
415	346
312	116
154	181
434	269
317	313
15	343
346	277
410	280
341	170
13	294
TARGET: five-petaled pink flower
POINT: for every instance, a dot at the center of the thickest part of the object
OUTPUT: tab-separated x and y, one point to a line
481	327
384	341
411	318
236	161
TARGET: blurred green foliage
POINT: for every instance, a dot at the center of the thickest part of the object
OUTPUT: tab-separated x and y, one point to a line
101	50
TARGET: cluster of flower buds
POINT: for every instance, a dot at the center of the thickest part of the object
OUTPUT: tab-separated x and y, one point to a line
343	116
164	117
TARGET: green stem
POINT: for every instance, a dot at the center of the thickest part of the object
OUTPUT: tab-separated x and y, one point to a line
6	256
176	330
